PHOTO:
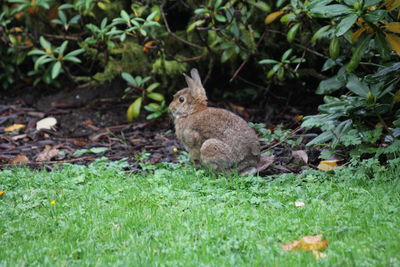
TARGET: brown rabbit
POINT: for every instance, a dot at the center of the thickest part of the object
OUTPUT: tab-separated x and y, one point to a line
214	137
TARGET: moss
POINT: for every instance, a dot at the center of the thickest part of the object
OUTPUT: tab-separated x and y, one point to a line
128	57
168	67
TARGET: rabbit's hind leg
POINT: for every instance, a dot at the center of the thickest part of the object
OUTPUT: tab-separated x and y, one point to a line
216	154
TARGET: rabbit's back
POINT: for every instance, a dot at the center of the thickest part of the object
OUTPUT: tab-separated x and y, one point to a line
216	123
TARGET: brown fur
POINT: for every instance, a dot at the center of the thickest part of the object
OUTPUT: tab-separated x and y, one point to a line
212	136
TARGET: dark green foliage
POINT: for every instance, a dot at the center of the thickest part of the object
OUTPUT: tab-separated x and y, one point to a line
355	43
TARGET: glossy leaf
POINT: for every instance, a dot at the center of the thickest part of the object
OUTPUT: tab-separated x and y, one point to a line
133	111
345	24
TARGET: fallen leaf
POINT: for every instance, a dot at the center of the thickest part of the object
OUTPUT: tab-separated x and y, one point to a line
14	127
87	122
328	165
299	204
48	153
299	118
80	143
47	123
300	154
21	158
306	243
319	255
265	162
18	137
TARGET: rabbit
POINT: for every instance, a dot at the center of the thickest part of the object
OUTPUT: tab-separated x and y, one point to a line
214	137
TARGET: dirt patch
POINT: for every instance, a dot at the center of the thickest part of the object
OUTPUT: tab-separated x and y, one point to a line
93	125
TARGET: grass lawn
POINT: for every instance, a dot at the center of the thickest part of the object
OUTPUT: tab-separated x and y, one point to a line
178	216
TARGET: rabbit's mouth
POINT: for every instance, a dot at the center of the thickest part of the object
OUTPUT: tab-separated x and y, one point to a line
177	115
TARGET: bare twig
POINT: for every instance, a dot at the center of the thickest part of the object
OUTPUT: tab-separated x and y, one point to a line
172	33
247	59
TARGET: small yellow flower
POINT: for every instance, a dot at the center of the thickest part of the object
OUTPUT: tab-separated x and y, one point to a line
53	202
2	193
175	149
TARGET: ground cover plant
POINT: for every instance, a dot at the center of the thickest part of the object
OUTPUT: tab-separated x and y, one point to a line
175	215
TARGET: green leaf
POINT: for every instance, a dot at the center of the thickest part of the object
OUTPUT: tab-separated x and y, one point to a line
44	43
152	16
97	150
375	16
75	52
368	3
36	52
125	15
55	71
227	54
134	109
156	96
63	47
192	26
330	85
317	35
358	54
127	77
331	11
220	18
152	87
268	61
42	60
261	5
286	54
356	86
321	139
291	34
72	59
345	24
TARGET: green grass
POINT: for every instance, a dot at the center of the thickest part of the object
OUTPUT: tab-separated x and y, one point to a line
178	216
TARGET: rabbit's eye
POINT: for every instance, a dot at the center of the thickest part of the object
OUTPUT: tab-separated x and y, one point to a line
181	99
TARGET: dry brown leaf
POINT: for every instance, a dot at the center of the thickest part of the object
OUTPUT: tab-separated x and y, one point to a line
48	153
394	42
328	165
300	154
299	204
21	158
14	127
47	123
265	162
80	143
306	243
393	27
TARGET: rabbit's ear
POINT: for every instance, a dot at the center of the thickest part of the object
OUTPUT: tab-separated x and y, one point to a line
195	86
196	77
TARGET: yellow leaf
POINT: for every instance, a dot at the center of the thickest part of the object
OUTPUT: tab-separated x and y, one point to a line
391	4
299	117
14	127
394	42
2	193
356	35
396	97
306	243
273	16
393	27
327	165
21	158
318	255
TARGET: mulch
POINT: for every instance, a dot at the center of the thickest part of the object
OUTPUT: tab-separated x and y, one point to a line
101	123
